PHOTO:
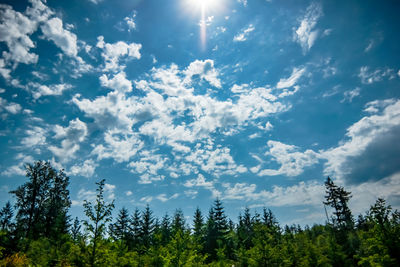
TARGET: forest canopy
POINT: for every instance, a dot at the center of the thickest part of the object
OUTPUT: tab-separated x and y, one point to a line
38	231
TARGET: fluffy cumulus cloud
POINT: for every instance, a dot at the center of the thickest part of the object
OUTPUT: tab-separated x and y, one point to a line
114	53
205	70
35	136
39	90
9	107
85	169
171	112
303	193
15	29
72	135
118	146
292	161
306	34
53	30
118	82
372	141
18	169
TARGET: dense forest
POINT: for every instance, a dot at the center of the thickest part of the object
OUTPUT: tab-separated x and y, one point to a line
38	231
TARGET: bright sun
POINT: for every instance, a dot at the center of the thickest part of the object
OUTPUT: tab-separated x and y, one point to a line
205	9
201	3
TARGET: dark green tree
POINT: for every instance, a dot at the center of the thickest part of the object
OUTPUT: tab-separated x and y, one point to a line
42	203
338	198
178	222
99	214
76	230
165	230
198	225
136	224
146	227
121	229
6	216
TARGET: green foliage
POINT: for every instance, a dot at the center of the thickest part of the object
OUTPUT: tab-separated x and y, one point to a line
42	203
40	233
99	214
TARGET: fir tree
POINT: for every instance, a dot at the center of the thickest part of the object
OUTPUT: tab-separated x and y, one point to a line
337	198
6	216
147	227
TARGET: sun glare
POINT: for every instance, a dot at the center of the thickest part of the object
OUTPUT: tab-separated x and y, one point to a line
204	8
203	3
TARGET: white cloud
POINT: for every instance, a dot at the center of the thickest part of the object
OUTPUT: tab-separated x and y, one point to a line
15	29
372	141
82	195
40	90
243	2
146	199
292	80
159	114
4	71
53	30
118	82
113	53
164	198
72	135
36	136
119	146
205	69
109	191
291	160
349	95
305	34
128	193
130	21
243	35
369	77
10	107
86	169
96	1
18	169
303	193
191	193
149	162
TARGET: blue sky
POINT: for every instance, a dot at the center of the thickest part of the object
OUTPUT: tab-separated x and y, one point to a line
176	103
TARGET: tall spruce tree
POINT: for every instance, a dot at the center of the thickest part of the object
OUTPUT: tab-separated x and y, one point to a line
198	225
178	222
338	198
147	227
6	216
121	229
136	224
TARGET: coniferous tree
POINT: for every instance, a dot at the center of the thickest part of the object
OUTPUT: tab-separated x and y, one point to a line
6	216
57	205
165	230
121	229
198	224
99	214
178	222
338	198
245	229
136	224
76	230
147	227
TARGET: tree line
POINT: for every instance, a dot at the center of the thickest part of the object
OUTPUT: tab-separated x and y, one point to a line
38	231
